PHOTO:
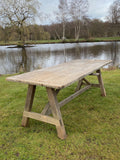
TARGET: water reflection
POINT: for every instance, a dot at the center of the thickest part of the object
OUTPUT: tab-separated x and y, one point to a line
13	60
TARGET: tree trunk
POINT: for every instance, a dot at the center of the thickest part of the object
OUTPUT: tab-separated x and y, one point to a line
63	38
77	30
22	37
57	34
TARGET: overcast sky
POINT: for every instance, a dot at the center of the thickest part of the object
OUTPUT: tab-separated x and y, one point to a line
97	8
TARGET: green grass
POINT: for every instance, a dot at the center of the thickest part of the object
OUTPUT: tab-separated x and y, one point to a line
105	39
92	123
100	39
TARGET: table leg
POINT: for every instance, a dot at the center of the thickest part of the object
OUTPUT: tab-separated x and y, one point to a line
79	85
56	112
29	102
47	110
100	80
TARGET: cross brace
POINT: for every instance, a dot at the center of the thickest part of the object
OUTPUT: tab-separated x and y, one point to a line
53	106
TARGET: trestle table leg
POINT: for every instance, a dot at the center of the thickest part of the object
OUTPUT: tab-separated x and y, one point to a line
29	102
56	112
100	80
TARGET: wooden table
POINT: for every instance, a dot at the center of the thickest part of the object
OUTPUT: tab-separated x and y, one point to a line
54	79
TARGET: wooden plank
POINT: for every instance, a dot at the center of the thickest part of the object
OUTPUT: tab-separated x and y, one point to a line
62	75
93	85
87	82
103	92
79	85
56	113
94	74
29	102
47	110
96	85
41	117
68	99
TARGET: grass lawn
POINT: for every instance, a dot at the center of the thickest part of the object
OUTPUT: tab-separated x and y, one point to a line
94	39
92	124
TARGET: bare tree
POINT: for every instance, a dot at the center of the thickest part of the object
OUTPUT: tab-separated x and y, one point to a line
114	12
62	15
78	10
18	13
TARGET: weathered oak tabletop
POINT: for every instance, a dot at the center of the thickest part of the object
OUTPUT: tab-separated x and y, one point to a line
61	75
54	79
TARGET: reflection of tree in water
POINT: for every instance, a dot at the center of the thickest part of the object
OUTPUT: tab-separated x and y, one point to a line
109	50
87	52
65	60
23	64
9	60
114	52
15	60
97	49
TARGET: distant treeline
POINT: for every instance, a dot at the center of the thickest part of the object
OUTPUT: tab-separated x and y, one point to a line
71	21
32	32
89	29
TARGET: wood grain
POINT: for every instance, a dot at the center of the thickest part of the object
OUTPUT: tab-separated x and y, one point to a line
29	102
100	80
41	117
56	113
62	75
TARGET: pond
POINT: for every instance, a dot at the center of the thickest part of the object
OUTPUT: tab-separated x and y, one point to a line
13	60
